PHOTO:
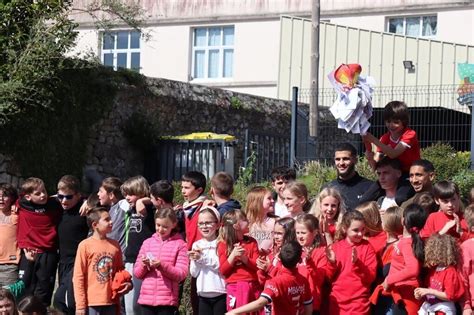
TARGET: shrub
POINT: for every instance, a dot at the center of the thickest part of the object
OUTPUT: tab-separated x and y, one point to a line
465	181
315	174
446	161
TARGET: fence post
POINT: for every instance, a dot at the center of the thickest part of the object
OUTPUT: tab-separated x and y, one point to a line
294	113
246	147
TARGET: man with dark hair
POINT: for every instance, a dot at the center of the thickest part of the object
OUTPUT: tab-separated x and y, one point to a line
351	185
421	176
390	189
280	176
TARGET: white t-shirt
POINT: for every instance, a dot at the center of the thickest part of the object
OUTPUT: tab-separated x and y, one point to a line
281	210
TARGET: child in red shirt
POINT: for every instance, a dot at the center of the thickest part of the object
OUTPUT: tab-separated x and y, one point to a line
351	268
392	226
313	261
400	142
268	265
328	209
444	285
407	259
449	219
373	227
238	255
288	291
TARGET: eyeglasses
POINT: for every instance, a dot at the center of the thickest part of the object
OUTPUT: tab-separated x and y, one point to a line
206	224
67	197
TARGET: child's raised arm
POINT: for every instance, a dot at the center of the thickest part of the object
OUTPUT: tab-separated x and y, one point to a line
392	153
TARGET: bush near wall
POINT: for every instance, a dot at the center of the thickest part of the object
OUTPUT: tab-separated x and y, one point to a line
50	141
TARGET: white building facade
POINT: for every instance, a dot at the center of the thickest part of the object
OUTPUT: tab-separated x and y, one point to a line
235	44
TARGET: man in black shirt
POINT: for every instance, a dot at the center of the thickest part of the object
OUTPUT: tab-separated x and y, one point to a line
351	185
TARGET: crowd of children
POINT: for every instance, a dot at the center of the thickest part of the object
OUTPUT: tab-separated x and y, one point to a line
128	248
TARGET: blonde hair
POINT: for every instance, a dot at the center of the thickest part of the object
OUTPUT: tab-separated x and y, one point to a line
373	221
392	221
137	185
329	192
227	232
254	205
442	250
30	185
301	191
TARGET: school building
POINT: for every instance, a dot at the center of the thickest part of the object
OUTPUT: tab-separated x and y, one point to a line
261	47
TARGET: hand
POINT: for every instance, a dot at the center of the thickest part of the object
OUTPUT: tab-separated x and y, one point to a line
208	202
125	287
331	256
84	209
354	255
263	262
178	207
467	311
236	252
30	253
140	207
155	263
146	262
81	312
450	224
195	254
421	292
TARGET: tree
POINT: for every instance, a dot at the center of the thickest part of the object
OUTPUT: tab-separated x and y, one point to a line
48	100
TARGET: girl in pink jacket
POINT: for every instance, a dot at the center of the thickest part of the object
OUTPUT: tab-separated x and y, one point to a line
162	263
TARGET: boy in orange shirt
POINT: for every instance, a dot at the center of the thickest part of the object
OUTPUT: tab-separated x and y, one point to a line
98	259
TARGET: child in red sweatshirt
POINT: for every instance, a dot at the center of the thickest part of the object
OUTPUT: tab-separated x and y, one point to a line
238	255
407	259
351	268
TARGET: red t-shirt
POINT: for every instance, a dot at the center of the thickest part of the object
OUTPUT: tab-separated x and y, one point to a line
409	139
405	268
378	242
314	269
436	222
288	292
238	271
446	280
351	282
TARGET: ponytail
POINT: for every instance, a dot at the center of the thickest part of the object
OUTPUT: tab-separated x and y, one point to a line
414	218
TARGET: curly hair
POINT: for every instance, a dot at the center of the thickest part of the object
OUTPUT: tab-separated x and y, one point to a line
442	250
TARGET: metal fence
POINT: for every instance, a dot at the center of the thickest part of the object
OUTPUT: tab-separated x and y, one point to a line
265	151
171	159
435	115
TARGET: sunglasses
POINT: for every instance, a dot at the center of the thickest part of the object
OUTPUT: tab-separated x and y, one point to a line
67	197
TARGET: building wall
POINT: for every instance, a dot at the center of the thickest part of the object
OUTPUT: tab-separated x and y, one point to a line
454	25
167	54
259	65
381	56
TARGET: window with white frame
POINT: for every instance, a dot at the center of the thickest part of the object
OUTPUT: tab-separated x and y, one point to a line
121	49
416	26
213	52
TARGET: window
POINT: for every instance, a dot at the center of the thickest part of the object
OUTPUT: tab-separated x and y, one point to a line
416	26
121	49
213	52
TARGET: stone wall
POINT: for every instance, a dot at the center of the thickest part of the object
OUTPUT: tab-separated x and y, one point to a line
176	108
170	108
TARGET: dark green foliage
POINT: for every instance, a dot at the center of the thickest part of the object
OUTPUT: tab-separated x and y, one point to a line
446	160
